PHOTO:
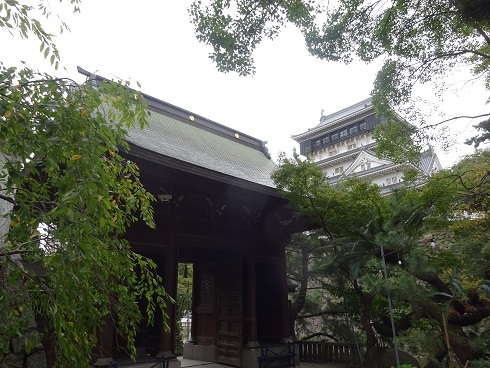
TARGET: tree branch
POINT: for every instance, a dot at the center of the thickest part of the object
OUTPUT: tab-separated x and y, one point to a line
320	334
434	280
322	313
485	36
473	314
455	118
3	253
454	53
485	56
8	199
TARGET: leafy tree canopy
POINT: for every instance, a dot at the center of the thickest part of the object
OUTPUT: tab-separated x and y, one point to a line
425	281
420	42
22	18
484	128
67	196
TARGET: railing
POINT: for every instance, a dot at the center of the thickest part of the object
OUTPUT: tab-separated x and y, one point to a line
277	356
327	352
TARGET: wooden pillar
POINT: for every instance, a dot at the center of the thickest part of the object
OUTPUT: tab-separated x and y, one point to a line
286	337
252	302
106	341
169	276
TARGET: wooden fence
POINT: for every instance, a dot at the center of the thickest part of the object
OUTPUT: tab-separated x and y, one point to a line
328	352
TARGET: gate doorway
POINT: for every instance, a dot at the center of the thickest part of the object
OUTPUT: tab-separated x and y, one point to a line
184	304
217	312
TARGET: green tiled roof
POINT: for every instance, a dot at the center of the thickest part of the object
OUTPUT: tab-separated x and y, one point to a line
197	144
200	145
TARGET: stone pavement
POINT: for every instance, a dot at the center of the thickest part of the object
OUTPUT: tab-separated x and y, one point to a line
189	363
325	365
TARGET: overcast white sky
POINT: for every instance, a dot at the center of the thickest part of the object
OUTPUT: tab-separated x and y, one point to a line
153	42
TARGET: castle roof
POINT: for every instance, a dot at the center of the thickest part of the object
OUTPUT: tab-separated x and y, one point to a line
347	112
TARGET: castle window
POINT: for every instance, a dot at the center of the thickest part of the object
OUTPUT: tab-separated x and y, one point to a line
353	130
317	143
351	146
339	170
391	180
362	126
365	166
343	133
335	137
326	140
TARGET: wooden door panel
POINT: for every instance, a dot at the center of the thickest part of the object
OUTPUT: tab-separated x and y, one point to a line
230	312
205	311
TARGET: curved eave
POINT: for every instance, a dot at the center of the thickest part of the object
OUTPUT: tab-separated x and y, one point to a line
320	129
331	162
154	157
368	174
377	171
342	157
345	120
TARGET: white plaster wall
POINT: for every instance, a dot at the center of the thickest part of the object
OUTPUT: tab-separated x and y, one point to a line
5	208
381	180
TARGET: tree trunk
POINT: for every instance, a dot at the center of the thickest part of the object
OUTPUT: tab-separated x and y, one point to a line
299	303
366	300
